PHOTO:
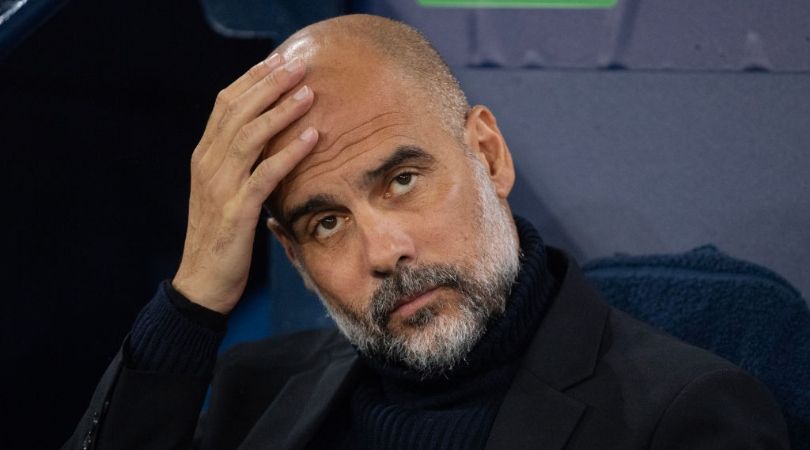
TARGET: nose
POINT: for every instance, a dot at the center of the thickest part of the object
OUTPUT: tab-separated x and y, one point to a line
387	243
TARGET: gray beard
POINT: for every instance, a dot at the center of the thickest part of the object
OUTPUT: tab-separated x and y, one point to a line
435	342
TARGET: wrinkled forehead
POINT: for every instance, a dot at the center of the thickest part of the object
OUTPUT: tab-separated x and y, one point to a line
361	105
351	82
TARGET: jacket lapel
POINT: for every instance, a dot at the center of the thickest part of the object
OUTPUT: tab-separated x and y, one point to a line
536	412
533	415
299	409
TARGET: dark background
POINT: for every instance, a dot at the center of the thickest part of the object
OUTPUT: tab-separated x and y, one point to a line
101	109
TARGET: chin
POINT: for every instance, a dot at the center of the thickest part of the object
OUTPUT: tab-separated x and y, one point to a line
422	319
435	338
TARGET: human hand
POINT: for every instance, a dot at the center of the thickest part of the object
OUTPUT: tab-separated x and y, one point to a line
226	198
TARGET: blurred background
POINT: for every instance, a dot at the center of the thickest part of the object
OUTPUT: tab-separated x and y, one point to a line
636	126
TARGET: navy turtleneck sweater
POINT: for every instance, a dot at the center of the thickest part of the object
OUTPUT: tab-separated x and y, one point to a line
392	407
396	408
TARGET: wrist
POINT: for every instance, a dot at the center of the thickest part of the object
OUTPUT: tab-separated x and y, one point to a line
208	318
204	297
172	339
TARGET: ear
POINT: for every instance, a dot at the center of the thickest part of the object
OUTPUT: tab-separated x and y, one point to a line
486	142
286	240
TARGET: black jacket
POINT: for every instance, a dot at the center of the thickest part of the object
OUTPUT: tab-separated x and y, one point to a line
593	378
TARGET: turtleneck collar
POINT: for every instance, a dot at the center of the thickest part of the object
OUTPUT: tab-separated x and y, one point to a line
508	334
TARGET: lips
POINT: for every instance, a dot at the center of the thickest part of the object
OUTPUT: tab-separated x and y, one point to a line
408	305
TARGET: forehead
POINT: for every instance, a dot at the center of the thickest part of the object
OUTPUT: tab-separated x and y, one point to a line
363	109
349	147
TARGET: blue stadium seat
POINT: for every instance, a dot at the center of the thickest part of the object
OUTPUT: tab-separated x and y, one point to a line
738	310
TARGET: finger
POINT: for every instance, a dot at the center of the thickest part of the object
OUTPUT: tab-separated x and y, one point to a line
272	170
250	104
252	137
236	89
250	78
263	94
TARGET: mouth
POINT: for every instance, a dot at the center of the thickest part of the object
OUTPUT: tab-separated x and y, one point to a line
409	305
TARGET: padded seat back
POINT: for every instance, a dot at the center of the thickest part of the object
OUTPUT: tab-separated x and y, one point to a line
738	310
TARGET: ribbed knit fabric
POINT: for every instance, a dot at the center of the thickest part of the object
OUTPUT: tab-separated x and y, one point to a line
174	335
396	408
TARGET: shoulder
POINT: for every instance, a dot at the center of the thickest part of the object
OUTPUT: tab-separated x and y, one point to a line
265	366
656	365
629	340
301	348
666	393
724	407
639	386
248	377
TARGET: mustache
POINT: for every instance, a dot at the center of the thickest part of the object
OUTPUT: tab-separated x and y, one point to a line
409	282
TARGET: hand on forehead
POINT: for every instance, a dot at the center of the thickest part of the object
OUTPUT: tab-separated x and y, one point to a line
350	82
359	101
372	79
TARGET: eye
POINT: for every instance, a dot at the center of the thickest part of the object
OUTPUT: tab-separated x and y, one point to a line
402	183
328	226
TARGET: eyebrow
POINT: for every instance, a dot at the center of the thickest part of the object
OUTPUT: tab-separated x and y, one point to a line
321	202
315	203
403	154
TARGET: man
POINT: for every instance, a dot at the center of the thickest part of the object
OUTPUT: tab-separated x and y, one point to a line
457	327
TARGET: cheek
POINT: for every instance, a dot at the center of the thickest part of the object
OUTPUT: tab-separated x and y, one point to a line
451	218
340	279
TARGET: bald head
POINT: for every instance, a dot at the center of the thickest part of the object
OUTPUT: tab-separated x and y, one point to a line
388	50
368	73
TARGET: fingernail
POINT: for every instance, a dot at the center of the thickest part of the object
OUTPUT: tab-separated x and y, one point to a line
308	135
273	61
301	94
293	65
